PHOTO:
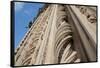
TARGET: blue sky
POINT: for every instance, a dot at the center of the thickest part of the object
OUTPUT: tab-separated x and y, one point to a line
24	13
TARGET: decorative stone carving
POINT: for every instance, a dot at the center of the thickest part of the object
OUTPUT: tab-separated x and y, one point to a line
50	38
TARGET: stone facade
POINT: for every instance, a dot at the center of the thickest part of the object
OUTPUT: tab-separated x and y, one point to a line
60	34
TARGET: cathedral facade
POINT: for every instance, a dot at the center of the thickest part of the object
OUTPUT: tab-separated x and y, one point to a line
60	34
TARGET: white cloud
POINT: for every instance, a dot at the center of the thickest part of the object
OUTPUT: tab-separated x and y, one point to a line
19	6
